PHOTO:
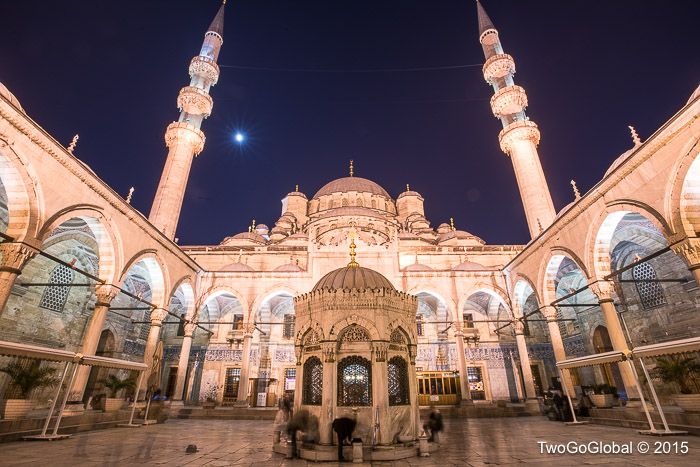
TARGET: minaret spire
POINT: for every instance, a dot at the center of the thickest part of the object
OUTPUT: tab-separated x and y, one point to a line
184	138
520	135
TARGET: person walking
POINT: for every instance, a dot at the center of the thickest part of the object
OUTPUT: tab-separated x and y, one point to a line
433	424
298	422
344	428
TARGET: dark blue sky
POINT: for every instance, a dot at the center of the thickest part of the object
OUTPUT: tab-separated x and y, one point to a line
111	71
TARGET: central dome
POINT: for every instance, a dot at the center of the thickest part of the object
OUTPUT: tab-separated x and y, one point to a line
346	184
353	277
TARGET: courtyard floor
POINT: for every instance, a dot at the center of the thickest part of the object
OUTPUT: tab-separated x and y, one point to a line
477	442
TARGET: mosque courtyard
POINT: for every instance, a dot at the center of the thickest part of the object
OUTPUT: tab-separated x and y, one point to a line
475	442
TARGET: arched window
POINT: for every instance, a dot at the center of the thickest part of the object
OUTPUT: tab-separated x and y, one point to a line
288	331
419	326
345	202
313	381
354	382
55	296
359	202
398	381
651	293
374	204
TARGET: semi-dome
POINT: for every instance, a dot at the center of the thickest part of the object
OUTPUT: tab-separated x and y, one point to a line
288	268
347	184
10	97
619	160
469	266
236	267
353	277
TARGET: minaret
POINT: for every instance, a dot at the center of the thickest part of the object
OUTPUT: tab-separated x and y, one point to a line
184	138
520	135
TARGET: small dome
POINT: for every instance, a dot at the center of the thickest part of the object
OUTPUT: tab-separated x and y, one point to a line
288	268
250	236
346	184
469	266
443	228
236	267
409	193
4	92
459	235
417	267
353	277
619	161
262	229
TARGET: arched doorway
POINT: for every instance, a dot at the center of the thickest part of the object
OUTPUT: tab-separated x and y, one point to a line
602	343
106	347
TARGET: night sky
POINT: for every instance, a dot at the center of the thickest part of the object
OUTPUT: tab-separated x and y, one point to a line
111	71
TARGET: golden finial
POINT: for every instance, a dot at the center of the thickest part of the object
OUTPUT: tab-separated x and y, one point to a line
352	171
296	189
577	195
224	3
452	223
408	188
71	147
128	197
352	263
253	227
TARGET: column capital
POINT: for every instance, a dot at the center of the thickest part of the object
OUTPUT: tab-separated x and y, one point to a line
380	350
189	329
248	329
519	327
689	250
15	256
549	312
105	294
603	290
157	316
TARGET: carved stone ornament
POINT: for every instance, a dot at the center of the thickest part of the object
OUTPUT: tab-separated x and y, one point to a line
689	251
498	66
328	350
549	312
379	351
205	67
522	130
355	333
603	290
15	256
105	294
249	328
195	101
186	134
412	351
298	353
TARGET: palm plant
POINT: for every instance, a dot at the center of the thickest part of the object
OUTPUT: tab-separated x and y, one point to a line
116	384
679	371
24	378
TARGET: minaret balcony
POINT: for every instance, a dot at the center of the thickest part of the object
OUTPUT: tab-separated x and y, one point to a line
183	133
516	132
498	66
205	67
508	101
195	101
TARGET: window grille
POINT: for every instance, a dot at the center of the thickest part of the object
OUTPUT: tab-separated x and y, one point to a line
355	333
233	378
419	325
55	297
398	381
313	381
146	328
468	320
289	321
397	337
651	293
354	382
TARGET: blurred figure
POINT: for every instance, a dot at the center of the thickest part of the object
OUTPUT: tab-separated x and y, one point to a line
343	427
433	424
305	422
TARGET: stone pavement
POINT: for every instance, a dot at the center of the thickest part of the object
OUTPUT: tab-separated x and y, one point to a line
476	442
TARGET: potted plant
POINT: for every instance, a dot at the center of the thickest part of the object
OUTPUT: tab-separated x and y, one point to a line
604	396
24	378
679	371
209	397
115	384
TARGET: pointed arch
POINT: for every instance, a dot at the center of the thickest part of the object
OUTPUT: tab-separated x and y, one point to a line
682	194
157	271
437	293
497	292
185	287
22	191
217	290
270	292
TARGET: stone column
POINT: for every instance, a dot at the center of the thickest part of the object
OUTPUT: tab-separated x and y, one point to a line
413	385
298	384
15	257
380	391
550	314
157	317
462	362
604	291
530	393
242	399
105	295
328	400
689	250
184	361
